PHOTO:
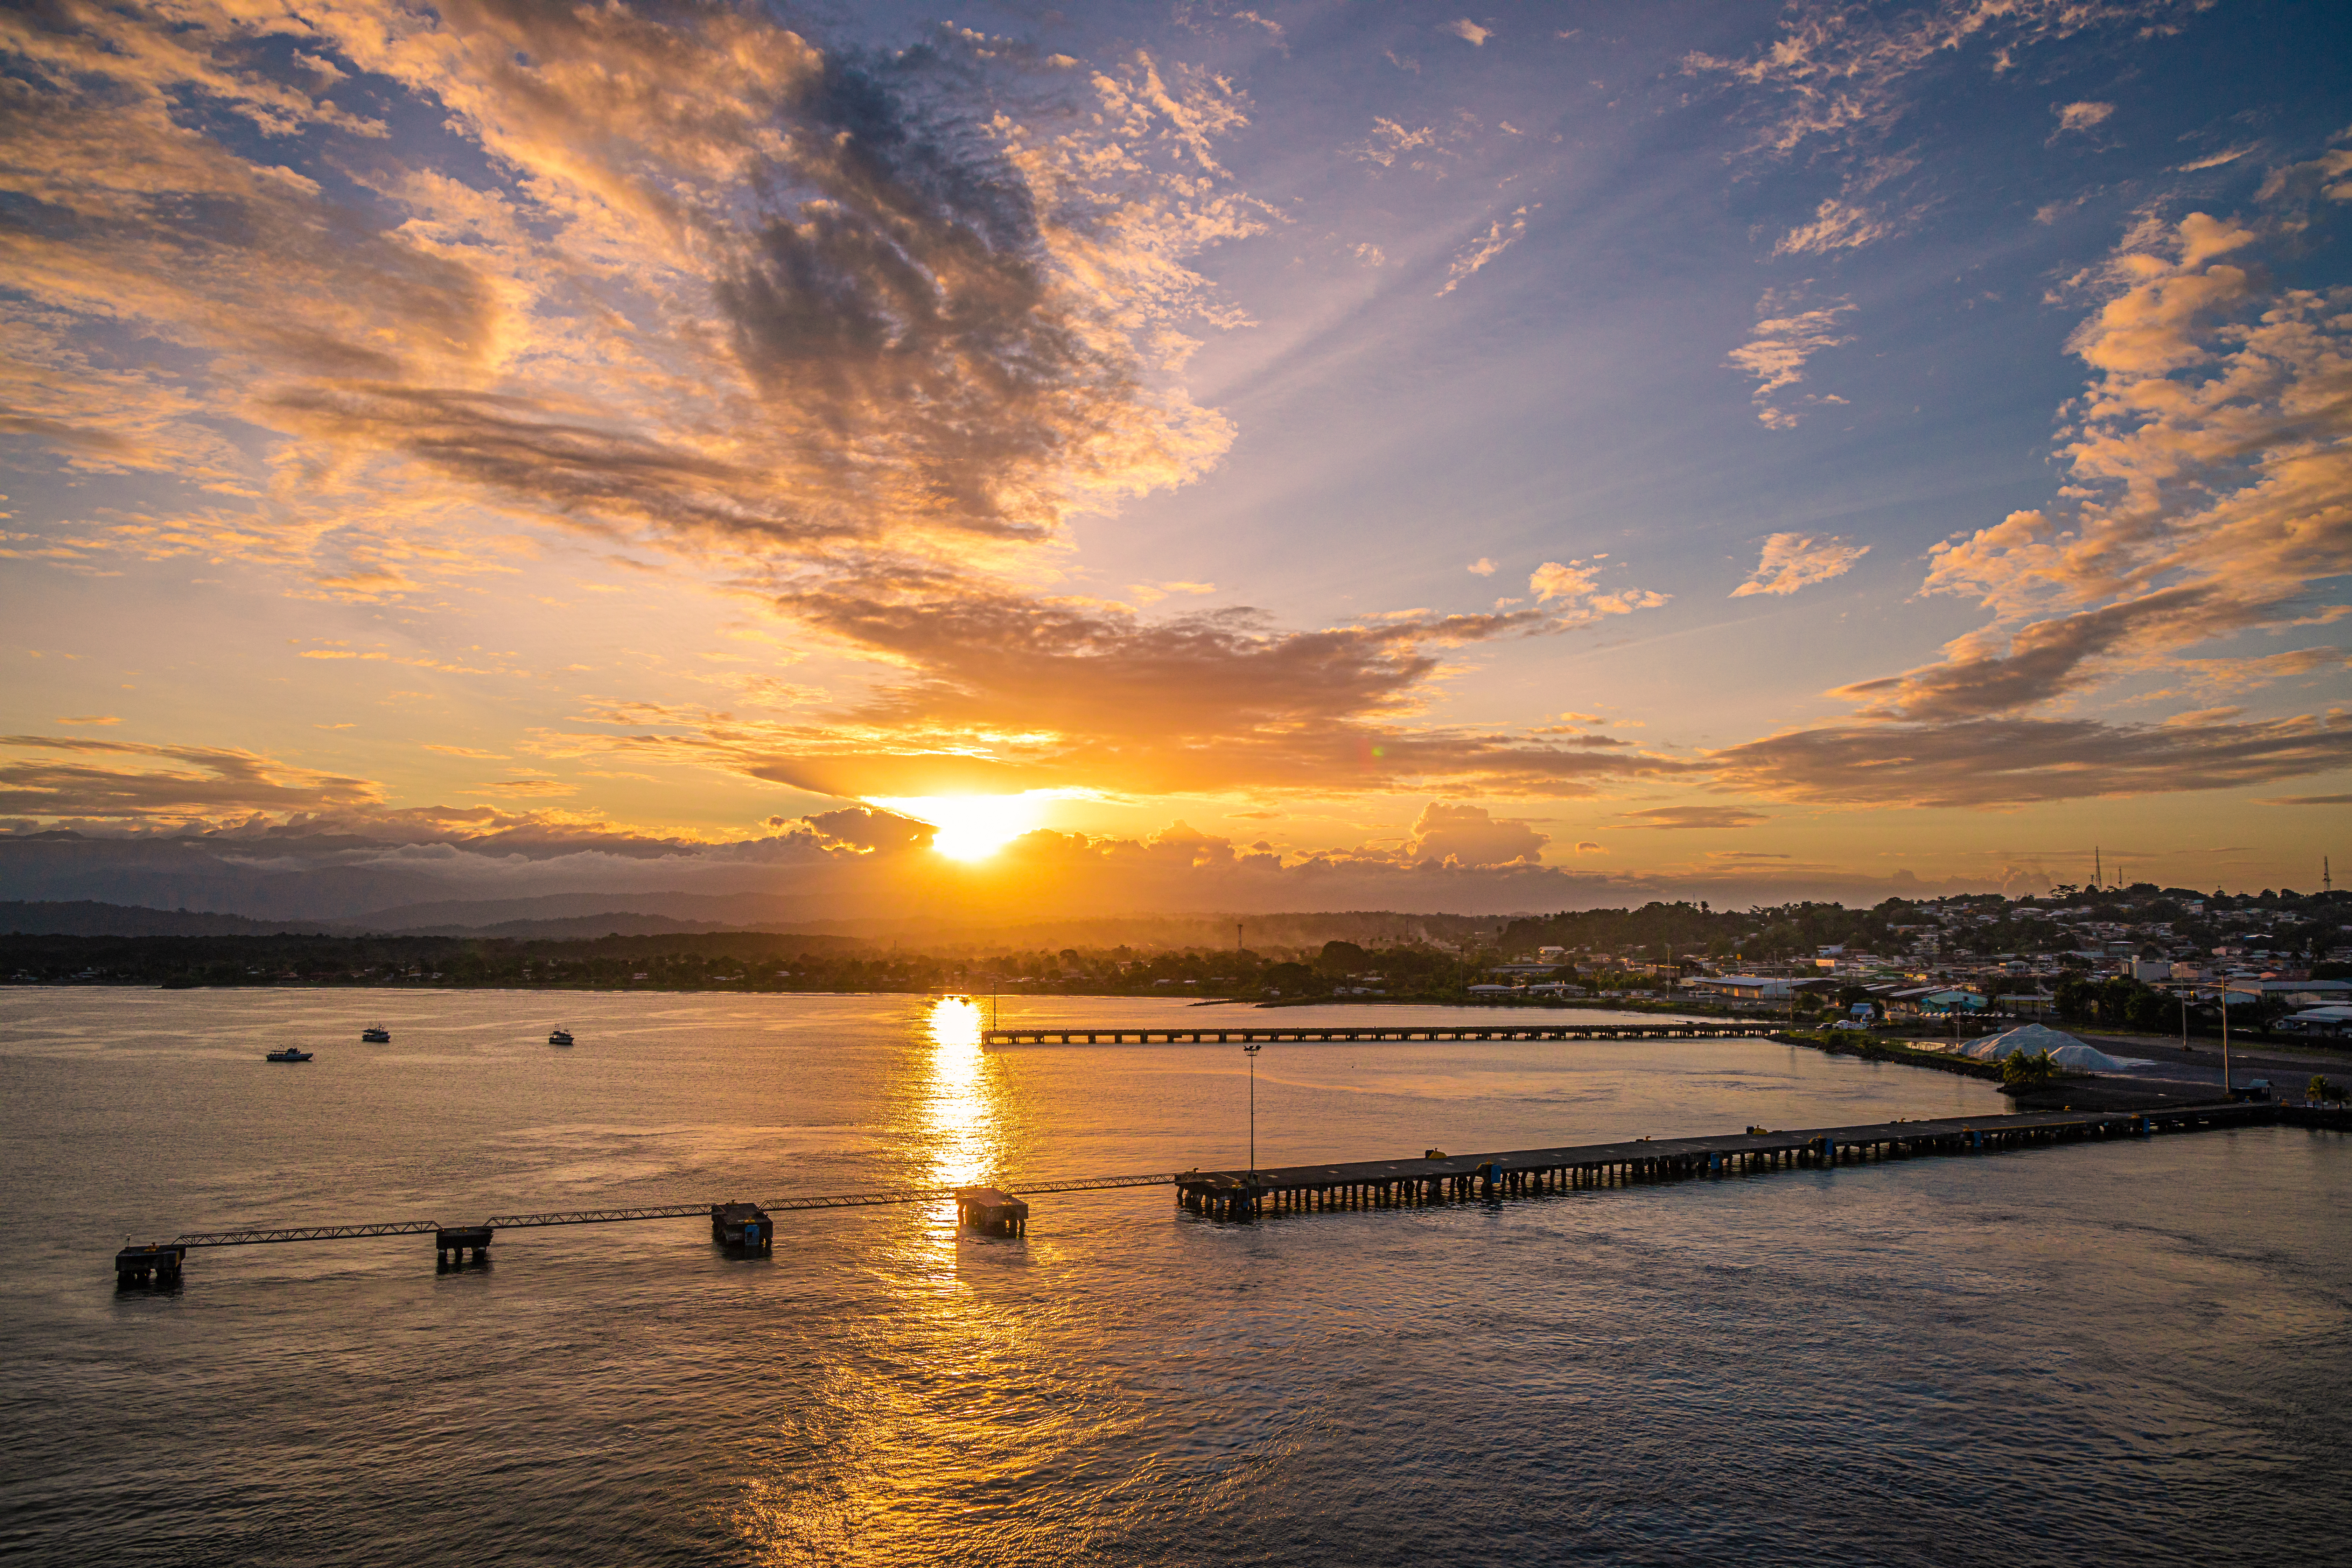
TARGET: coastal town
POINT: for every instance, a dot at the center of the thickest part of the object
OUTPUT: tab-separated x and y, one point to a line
2141	958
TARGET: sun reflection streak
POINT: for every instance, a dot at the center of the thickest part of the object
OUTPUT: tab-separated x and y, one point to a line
958	1107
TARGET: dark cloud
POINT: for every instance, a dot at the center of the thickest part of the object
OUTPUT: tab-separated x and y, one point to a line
937	741
528	454
1007	692
672	268
909	290
1084	667
2045	660
71	779
864	829
2013	761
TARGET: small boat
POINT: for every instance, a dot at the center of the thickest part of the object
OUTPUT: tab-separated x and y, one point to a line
559	1038
376	1036
288	1055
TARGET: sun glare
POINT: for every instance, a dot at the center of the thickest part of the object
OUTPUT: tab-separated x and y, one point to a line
959	1108
971	826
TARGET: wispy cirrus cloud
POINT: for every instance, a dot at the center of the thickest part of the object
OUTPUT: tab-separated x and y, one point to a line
1836	226
1501	236
1674	817
1780	346
2081	117
1422	147
1794	561
1841	72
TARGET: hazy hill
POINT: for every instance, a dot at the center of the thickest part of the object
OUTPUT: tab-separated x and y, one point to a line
83	917
702	911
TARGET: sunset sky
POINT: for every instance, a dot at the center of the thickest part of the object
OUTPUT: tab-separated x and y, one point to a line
1490	459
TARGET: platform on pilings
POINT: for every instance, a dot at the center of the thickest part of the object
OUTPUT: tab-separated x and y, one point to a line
1384	1183
992	1212
1225	1034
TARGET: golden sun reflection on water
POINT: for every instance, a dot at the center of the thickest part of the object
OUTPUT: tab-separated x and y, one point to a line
959	1104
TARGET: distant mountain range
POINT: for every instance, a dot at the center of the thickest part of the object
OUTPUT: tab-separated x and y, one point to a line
682	910
570	917
81	917
87	918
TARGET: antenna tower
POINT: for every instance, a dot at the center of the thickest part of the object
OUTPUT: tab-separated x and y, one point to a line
2098	877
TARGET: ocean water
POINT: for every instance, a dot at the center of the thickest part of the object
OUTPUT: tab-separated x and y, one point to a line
2126	1352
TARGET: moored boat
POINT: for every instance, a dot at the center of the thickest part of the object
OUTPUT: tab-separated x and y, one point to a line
288	1055
559	1037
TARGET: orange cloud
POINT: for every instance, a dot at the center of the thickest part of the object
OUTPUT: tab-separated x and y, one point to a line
2210	488
1794	561
1779	346
177	784
1691	817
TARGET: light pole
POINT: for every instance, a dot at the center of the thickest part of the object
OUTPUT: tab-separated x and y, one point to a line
1251	1051
2225	1037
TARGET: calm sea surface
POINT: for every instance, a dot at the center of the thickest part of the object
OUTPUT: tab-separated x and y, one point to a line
2135	1352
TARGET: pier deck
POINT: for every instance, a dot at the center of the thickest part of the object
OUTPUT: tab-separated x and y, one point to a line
1204	1034
1437	1178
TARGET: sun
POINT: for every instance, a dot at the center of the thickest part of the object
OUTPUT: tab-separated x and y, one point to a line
970	827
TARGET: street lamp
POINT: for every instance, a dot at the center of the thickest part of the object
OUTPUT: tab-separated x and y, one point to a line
1251	1051
2225	1037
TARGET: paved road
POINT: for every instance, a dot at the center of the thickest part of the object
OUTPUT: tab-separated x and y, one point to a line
2287	1067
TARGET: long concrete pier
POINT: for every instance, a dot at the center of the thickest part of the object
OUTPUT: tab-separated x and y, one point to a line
1438	1177
1164	1035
